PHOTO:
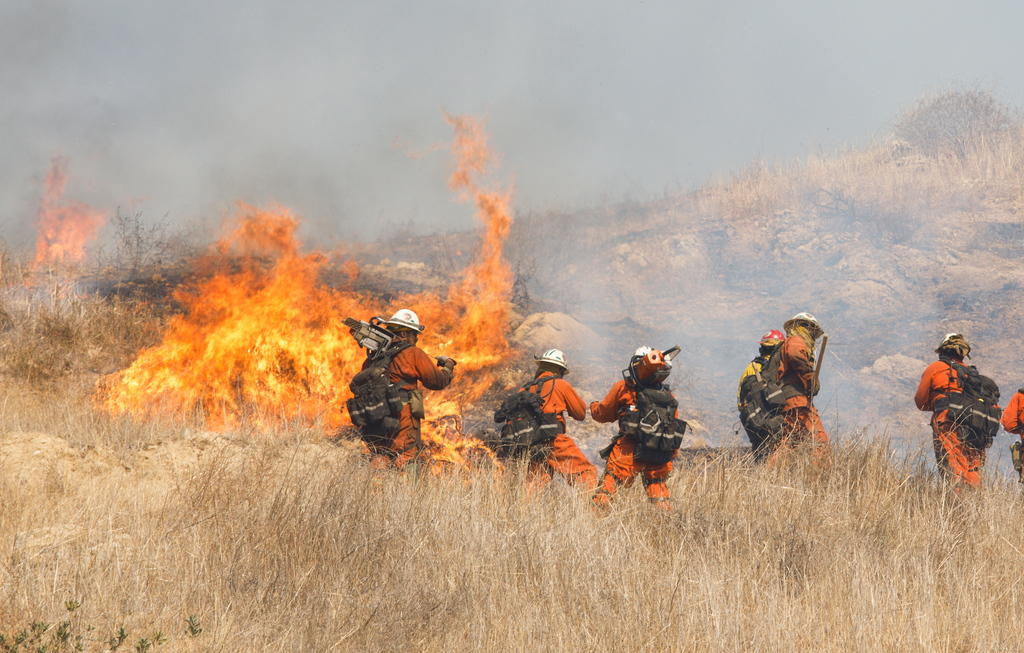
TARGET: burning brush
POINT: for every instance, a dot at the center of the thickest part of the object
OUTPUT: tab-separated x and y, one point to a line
263	341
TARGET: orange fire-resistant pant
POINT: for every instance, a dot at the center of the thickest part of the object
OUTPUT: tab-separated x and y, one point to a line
402	449
566	459
622	469
957	460
800	424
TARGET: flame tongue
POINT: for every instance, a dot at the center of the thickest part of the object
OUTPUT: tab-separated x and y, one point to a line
65	228
263	341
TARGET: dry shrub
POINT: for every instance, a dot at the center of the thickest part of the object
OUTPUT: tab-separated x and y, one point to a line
54	334
983	163
290	547
953	122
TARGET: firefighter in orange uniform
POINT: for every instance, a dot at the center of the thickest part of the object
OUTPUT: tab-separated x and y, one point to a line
1013	416
409	367
562	454
958	457
801	423
1013	422
650	431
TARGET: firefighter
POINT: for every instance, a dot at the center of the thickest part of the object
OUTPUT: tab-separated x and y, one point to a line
406	369
768	345
1013	422
800	421
959	440
650	431
562	454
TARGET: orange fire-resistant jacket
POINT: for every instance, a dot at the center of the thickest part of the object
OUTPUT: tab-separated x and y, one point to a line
615	403
796	368
938	380
412	366
1013	416
560	397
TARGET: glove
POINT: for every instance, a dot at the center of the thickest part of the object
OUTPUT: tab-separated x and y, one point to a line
447	363
815	386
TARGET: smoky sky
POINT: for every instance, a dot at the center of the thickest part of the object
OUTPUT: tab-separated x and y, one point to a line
336	109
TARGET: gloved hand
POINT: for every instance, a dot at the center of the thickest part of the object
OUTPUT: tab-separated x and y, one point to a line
815	386
447	363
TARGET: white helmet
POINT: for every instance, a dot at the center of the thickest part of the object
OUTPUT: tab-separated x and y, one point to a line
553	356
950	337
802	317
405	319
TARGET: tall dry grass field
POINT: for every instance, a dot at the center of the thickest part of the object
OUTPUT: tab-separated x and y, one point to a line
294	544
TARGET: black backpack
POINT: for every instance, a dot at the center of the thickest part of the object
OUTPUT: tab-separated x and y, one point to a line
974	410
653	426
524	424
760	419
376	403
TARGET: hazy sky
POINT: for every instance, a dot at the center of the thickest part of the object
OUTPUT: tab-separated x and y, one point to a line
336	108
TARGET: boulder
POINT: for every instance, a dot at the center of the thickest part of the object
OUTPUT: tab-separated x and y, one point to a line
896	367
541	331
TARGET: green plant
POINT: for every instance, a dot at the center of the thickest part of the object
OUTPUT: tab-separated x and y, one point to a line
192	626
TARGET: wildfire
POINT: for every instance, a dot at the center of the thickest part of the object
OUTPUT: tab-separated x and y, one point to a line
65	229
262	340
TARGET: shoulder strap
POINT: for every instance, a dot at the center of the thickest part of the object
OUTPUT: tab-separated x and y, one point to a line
385	356
539	384
759	364
962	371
771	366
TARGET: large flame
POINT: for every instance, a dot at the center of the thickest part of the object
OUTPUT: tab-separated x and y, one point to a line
262	340
65	228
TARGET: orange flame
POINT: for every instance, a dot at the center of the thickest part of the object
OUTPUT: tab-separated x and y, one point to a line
65	229
263	341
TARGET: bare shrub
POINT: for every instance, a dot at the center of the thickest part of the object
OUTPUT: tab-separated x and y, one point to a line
951	123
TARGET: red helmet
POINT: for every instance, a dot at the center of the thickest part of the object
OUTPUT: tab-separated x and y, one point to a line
773	337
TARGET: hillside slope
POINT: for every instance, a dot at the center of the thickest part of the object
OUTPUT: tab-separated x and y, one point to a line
890	246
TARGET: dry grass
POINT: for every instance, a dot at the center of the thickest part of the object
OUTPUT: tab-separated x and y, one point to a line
958	150
289	544
51	334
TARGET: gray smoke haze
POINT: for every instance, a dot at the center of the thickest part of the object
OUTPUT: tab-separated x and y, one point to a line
335	108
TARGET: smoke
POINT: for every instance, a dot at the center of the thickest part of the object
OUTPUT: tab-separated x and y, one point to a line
180	109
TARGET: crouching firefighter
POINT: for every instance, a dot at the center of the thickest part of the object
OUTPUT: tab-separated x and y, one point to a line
797	379
965	411
1013	422
387	403
533	426
761	420
650	431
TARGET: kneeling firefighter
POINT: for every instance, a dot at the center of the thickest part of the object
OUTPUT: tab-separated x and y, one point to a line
797	376
760	420
965	411
387	403
650	431
533	425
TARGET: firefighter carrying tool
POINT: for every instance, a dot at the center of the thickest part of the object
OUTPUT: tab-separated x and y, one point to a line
387	404
533	426
965	411
798	378
650	431
760	419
